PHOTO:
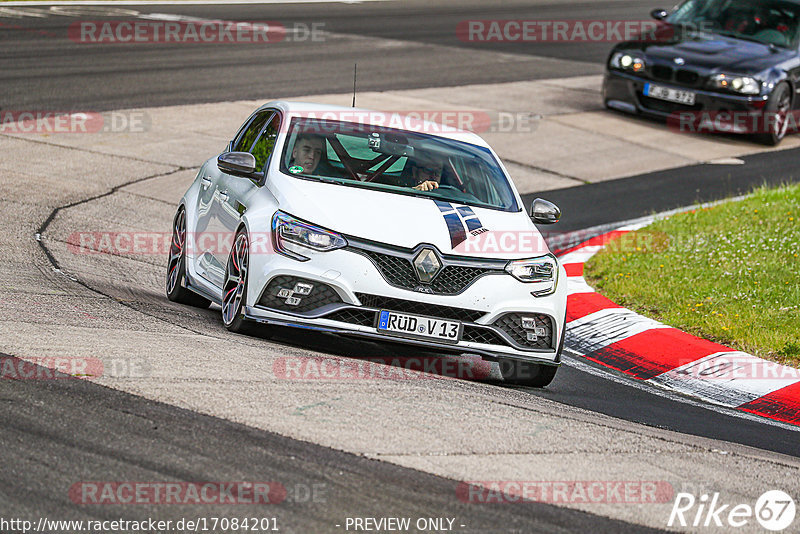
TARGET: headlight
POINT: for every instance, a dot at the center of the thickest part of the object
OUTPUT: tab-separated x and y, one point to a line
626	61
738	84
542	271
288	232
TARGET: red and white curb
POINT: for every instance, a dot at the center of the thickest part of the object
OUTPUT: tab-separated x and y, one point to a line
615	337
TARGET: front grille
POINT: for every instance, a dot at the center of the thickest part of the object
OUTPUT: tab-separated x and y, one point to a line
451	280
455	278
476	334
419	308
511	324
660	72
353	316
398	271
688	77
321	295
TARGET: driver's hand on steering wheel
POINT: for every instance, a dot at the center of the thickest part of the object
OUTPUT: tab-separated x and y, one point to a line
428	185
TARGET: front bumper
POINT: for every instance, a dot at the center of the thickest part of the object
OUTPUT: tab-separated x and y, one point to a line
322	325
625	92
349	291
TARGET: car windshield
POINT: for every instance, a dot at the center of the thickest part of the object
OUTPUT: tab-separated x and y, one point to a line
771	22
396	161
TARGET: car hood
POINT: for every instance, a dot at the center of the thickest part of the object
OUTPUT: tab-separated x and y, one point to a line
714	52
407	221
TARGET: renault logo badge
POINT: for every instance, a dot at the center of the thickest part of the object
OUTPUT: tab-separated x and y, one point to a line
427	265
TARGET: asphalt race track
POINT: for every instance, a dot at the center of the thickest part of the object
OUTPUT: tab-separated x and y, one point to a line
208	406
149	439
156	76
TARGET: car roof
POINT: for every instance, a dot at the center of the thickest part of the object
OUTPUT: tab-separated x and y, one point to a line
382	118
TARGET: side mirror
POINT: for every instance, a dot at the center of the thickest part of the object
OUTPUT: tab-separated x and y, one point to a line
659	14
239	163
544	212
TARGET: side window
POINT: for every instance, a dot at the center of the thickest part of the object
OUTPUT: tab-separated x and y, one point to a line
249	134
263	147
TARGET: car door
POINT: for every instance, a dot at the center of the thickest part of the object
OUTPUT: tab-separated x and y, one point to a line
203	236
235	192
210	238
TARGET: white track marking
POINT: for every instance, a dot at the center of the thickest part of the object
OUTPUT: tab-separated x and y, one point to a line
649	387
726	161
19	13
577	284
582	255
92	11
170	17
729	378
608	326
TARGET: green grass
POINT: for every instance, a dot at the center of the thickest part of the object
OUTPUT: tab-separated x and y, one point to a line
729	273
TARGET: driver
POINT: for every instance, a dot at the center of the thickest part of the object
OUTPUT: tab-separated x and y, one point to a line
307	152
426	172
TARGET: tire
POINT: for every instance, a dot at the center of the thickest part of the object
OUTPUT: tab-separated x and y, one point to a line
234	289
561	341
776	114
176	267
521	373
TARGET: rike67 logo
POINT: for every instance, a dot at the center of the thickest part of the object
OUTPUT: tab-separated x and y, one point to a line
774	510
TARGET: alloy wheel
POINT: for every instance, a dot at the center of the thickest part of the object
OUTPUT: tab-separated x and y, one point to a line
176	248
236	279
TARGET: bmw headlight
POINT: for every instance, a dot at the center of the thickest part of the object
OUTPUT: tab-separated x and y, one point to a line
626	61
738	84
289	232
541	271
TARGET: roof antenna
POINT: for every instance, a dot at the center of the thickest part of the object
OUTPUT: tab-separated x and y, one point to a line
355	72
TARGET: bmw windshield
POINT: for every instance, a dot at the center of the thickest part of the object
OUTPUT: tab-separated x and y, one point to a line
396	161
770	22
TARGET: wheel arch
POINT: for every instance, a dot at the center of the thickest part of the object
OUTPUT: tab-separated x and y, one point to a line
779	76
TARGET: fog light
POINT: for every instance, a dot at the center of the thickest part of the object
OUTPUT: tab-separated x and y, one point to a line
528	323
302	288
284	293
530	336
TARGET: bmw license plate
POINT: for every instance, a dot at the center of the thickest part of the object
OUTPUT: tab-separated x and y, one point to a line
669	94
418	326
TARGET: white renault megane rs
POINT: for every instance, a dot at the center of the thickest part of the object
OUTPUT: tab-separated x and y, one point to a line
327	218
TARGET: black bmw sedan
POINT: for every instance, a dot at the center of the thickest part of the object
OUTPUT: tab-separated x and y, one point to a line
714	65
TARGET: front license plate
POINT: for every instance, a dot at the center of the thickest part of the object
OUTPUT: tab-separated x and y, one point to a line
418	326
669	94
